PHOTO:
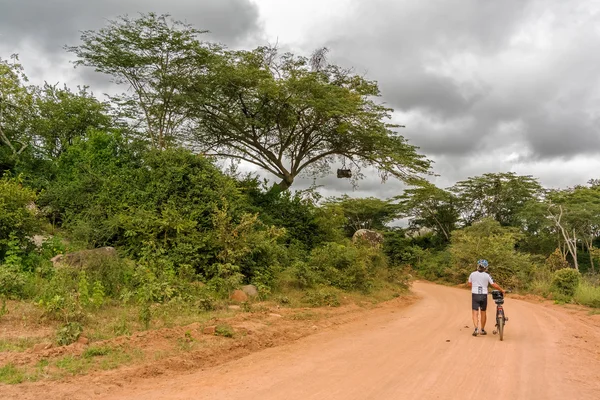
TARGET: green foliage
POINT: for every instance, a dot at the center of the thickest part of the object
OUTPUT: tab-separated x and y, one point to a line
17	217
588	293
111	192
432	208
97	351
306	225
363	213
16	113
10	374
435	265
500	196
68	333
344	266
321	297
64	116
155	57
488	239
565	282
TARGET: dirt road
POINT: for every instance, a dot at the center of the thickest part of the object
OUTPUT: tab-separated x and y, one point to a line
425	351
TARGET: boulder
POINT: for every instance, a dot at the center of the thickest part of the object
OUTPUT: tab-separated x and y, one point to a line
239	296
250	290
371	237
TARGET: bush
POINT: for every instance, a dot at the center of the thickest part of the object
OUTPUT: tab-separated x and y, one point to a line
18	220
344	266
487	239
109	191
322	297
565	282
68	333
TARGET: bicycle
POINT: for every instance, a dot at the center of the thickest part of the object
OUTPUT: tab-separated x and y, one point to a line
501	317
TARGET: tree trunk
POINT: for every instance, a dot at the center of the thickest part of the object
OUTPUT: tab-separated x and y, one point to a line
285	184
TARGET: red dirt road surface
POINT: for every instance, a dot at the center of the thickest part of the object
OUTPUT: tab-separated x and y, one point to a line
424	351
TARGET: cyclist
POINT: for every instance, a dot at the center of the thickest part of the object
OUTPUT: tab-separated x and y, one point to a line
479	281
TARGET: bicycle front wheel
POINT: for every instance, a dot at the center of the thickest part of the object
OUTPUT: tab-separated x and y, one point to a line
501	327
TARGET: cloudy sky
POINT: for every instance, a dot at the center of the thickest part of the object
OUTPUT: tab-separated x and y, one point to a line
482	86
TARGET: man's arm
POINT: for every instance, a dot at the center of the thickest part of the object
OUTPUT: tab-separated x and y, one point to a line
470	282
495	285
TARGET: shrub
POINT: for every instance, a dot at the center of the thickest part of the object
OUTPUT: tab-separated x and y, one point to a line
565	282
346	266
68	333
224	330
487	239
18	220
322	297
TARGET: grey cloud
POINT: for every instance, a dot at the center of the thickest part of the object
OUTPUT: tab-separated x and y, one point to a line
544	80
52	24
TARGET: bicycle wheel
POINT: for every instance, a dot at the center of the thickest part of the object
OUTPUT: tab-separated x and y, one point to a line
501	327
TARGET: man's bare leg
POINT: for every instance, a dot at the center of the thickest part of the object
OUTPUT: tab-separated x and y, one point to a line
483	320
475	319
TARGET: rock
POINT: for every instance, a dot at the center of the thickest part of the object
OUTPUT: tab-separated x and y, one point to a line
275	315
40	347
371	237
250	290
38	240
209	330
83	340
239	296
235	308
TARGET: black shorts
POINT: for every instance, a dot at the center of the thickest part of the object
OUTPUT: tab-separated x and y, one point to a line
479	301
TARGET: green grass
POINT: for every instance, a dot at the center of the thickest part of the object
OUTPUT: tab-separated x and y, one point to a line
104	358
97	351
587	295
11	375
17	345
224	330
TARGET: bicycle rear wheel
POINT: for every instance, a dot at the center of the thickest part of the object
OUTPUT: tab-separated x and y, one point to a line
501	327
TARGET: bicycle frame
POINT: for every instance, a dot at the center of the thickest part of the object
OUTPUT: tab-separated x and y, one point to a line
501	318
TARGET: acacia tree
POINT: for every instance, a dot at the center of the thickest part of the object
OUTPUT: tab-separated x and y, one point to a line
363	213
500	196
155	57
430	207
291	115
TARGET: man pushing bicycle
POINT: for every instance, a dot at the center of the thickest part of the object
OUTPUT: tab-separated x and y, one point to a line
479	281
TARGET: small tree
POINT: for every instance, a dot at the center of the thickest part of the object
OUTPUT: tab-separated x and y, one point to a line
156	57
64	116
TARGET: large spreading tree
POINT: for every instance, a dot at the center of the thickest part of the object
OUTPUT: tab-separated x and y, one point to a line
291	115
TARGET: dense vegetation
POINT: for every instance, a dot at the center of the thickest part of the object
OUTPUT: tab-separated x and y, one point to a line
141	173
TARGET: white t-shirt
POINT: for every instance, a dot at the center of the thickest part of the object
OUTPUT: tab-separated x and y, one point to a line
480	281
